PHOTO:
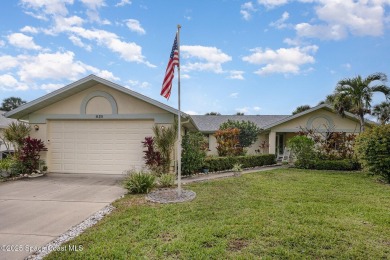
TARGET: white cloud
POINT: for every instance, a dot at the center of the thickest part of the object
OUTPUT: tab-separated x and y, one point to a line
123	3
246	10
256	108
46	7
207	58
51	87
136	83
8	62
2	43
185	76
77	41
346	66
340	18
272	3
9	83
233	95
23	41
128	51
135	26
283	60
236	74
189	112
105	74
280	23
92	12
29	29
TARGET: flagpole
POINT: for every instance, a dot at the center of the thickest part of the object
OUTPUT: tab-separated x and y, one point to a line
179	119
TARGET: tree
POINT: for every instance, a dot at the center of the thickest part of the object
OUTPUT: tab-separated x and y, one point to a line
359	91
301	109
11	103
228	142
212	114
249	131
239	114
382	112
164	139
373	150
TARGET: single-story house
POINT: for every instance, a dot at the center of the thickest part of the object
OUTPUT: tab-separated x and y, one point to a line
96	126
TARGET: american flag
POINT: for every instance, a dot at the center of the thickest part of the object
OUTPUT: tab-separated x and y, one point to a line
169	73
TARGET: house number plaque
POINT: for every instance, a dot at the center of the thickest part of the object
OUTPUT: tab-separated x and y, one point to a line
99	116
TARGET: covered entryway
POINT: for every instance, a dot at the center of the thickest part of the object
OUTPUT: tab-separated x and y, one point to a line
96	146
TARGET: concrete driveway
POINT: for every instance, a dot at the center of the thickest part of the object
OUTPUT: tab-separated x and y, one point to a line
35	211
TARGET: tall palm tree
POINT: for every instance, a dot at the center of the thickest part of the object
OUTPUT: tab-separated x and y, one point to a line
358	91
382	112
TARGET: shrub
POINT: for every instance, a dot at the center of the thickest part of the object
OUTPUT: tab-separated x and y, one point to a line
227	163
193	153
166	180
373	150
302	147
248	131
228	142
15	134
30	153
337	165
152	157
139	182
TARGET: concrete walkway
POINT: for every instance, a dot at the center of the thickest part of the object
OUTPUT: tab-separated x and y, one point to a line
35	211
213	176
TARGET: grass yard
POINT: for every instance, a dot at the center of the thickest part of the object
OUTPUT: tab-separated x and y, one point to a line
278	214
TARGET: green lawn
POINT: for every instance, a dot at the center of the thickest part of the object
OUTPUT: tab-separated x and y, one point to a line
279	214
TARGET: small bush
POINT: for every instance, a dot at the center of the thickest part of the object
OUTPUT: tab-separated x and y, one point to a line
302	147
337	165
166	180
227	163
193	153
373	150
139	182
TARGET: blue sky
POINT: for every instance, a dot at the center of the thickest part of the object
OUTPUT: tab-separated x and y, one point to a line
256	57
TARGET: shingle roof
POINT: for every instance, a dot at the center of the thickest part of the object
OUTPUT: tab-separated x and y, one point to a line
4	122
210	123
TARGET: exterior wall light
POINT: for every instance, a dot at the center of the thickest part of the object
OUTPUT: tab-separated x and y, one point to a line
36	127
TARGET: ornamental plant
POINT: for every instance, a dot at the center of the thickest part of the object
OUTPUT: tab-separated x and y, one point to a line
152	157
139	182
29	154
373	150
228	142
193	153
249	131
303	149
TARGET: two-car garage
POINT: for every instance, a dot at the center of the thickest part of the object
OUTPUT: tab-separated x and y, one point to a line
103	146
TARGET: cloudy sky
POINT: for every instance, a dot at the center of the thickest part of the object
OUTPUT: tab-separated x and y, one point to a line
256	57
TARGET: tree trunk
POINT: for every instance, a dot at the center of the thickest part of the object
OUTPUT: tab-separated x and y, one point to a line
361	117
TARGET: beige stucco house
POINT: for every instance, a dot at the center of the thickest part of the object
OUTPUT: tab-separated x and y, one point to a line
96	126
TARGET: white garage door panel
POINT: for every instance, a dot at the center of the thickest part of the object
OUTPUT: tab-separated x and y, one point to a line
107	147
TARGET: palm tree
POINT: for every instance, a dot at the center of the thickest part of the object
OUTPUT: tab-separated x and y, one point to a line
164	139
382	112
15	133
358	92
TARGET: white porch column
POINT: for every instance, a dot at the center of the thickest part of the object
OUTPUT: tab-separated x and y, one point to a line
272	142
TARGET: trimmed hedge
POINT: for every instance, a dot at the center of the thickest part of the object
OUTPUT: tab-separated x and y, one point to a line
338	165
226	163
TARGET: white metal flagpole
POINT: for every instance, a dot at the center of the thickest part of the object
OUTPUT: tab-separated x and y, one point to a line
178	119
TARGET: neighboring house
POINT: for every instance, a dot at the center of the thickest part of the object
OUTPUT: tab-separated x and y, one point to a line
96	126
4	122
277	129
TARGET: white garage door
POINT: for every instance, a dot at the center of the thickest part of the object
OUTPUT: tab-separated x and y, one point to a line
107	147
